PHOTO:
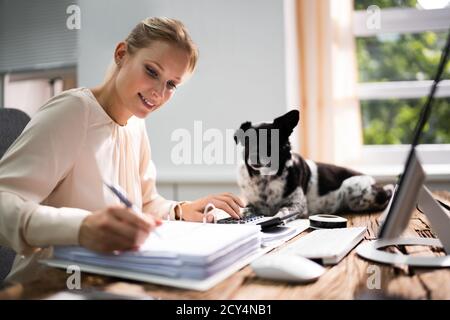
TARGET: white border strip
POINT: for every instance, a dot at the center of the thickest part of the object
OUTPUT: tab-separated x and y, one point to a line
401	90
402	20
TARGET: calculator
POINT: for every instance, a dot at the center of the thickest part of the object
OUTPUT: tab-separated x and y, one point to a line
248	218
251	217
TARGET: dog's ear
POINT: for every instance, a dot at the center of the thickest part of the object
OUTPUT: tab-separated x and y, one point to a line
287	122
239	134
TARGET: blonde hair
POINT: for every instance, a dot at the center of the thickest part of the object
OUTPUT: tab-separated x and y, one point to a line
164	29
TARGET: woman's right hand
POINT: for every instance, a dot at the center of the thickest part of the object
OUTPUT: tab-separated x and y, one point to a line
115	229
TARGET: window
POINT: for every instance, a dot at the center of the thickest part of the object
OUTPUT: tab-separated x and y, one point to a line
28	91
397	58
38	52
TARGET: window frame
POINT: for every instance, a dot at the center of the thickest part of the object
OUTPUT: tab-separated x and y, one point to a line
66	74
398	20
378	158
2	90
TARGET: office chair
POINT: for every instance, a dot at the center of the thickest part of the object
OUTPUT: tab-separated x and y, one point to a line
12	123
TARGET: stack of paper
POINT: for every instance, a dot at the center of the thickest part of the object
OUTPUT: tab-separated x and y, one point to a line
276	236
184	250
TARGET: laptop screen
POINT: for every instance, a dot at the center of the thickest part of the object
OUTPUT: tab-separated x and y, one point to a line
405	195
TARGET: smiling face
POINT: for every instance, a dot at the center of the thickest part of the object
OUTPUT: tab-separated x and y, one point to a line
147	79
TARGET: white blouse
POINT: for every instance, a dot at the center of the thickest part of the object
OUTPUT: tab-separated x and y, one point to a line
51	177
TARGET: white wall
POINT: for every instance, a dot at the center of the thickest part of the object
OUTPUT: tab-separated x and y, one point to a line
240	74
34	35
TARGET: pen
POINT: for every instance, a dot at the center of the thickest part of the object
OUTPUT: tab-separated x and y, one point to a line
127	202
275	221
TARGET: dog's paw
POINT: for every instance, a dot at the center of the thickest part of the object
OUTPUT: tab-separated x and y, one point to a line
389	188
383	195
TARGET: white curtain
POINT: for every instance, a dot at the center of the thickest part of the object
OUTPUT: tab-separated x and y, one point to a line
330	122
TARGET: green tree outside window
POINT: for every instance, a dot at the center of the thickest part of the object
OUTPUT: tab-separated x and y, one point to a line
401	57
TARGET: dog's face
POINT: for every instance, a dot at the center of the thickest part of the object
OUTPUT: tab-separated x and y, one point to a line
266	145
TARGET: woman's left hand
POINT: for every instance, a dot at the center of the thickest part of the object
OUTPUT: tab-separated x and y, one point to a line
230	203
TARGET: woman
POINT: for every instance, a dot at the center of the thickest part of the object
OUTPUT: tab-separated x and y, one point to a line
51	189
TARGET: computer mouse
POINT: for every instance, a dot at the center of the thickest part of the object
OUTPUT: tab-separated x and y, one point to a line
287	267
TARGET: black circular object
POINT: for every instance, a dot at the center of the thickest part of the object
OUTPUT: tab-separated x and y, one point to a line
327	221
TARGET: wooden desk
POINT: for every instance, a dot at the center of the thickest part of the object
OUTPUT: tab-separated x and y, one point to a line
346	280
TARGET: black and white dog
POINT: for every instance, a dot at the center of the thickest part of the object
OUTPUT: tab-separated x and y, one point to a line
283	182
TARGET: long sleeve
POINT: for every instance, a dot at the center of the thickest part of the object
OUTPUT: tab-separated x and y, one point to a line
152	202
32	168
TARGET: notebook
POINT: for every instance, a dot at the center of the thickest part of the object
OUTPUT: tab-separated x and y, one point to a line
187	255
276	236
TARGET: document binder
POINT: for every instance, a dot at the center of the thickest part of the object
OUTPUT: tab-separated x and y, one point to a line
188	255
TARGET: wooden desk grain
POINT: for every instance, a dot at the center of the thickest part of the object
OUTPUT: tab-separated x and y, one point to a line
346	280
